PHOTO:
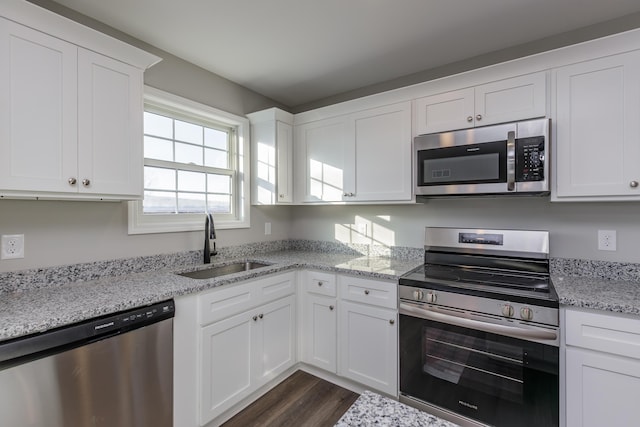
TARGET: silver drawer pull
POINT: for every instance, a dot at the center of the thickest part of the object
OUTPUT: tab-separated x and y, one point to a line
319	283
71	181
366	291
331	307
392	321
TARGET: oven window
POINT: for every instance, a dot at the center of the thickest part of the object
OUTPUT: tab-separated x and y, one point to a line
489	367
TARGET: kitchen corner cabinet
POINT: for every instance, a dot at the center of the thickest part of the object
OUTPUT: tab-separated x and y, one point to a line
272	156
320	319
360	157
602	368
368	333
70	118
246	336
517	98
597	130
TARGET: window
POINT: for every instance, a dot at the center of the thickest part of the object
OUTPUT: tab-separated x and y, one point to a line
195	161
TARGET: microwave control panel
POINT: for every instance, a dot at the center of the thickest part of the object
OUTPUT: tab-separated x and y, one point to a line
530	157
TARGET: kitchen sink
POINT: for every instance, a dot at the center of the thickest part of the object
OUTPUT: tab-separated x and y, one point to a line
223	270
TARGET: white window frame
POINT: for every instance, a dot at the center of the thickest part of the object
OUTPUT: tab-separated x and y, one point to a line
170	223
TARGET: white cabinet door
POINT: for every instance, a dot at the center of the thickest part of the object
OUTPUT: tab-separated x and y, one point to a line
38	110
324	161
226	372
319	332
284	164
597	128
513	99
507	100
383	153
276	336
368	346
110	151
601	389
445	111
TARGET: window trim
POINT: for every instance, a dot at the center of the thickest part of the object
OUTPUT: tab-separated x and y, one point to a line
171	223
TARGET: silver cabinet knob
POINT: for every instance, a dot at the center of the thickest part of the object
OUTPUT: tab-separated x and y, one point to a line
507	310
260	315
392	321
281	196
71	181
86	182
319	283
349	194
633	184
431	297
526	313
331	307
255	318
479	117
366	291
469	119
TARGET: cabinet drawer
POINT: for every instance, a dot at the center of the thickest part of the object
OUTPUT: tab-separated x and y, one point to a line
374	292
275	287
227	301
320	283
233	299
603	332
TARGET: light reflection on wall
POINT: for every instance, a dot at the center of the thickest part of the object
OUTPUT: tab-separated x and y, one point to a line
372	230
266	173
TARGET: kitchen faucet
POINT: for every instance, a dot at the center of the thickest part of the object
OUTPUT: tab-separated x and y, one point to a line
209	234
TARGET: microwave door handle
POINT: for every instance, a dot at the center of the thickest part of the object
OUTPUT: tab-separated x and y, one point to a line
511	161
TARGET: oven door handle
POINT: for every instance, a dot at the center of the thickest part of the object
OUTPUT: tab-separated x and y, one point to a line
511	331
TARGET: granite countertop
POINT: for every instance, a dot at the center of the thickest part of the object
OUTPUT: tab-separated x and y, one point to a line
372	409
618	296
38	309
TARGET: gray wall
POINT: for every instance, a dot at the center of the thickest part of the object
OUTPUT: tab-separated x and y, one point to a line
572	226
60	233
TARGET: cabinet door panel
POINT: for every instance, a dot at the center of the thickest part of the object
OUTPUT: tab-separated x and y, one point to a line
320	328
445	111
38	110
110	133
325	160
601	389
277	324
369	346
226	371
284	163
383	153
512	99
598	131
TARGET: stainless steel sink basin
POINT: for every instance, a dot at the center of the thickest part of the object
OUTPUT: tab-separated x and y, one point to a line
223	270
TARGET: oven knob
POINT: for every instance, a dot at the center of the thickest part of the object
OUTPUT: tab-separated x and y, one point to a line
526	313
418	295
507	310
431	297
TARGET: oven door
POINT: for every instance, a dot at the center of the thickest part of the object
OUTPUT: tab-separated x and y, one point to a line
491	378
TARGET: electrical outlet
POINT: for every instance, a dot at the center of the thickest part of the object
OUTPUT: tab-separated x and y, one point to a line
267	228
607	240
12	246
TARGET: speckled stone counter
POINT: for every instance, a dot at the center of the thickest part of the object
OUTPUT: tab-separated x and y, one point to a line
372	409
27	310
597	285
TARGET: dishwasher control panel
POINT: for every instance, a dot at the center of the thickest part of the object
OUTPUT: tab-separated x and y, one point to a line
136	317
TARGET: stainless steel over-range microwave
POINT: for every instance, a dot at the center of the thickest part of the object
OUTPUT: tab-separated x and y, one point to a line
510	158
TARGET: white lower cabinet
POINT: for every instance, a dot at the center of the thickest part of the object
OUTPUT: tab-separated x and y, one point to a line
319	320
368	342
602	369
245	336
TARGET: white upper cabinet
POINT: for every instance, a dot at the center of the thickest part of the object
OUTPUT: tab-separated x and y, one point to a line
272	156
507	100
597	139
359	157
70	117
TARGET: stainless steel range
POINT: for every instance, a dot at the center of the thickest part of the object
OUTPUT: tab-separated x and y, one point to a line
479	329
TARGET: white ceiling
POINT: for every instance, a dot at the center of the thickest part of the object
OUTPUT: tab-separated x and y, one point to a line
298	51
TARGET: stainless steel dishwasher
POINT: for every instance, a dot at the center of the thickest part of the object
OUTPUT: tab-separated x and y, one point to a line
114	371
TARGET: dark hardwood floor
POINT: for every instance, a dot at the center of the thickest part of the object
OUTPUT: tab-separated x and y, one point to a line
302	400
